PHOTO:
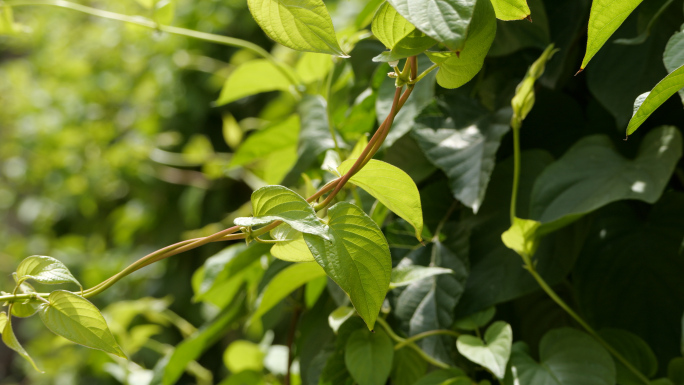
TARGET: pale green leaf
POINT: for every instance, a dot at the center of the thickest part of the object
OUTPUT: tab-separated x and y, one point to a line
284	283
164	11
476	320
251	78
658	95
357	258
511	9
277	203
313	66
339	316
456	69
7	25
76	319
574	185
494	352
10	339
3	321
28	308
522	237
368	356
605	18
392	187
412	44
524	98
45	270
567	357
291	246
303	25
389	26
243	355
232	132
446	21
314	289
406	275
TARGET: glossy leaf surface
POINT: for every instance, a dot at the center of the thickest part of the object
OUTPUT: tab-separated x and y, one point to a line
643	108
45	270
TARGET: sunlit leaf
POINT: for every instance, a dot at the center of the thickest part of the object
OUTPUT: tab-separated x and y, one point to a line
339	316
284	283
492	353
251	78
524	98
658	95
302	25
511	9
27	309
605	18
368	357
389	26
3	321
45	270
446	21
277	203
406	275
391	186
313	66
11	341
76	319
243	355
357	258
291	247
522	237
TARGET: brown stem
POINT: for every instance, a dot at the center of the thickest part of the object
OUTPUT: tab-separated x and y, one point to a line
290	340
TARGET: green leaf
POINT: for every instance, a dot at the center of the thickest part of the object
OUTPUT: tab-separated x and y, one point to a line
3	321
312	67
243	355
27	309
392	187
574	185
291	247
192	347
605	18
522	237
303	25
408	367
277	203
11	341
457	68
476	320
634	350
466	153
446	21
655	98
567	357
650	11
406	275
494	352
442	377
251	78
368	357
673	57
339	316
524	98
423	94
45	270
284	283
279	136
429	304
76	319
412	44
357	258
511	9
675	370
389	26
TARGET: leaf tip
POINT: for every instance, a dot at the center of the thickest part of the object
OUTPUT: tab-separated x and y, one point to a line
529	18
580	70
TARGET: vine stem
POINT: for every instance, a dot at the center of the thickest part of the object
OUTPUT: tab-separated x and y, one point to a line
147	23
422	335
411	345
530	266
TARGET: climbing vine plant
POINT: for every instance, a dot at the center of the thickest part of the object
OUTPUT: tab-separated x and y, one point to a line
403	260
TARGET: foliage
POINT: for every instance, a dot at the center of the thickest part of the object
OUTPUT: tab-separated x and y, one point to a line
412	191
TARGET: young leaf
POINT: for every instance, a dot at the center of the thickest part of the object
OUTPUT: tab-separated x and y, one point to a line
567	357
7	25
406	275
11	340
475	321
272	203
291	247
524	98
3	321
27	309
45	270
644	107
251	78
522	237
357	258
392	187
446	21
605	18
284	283
303	25
494	352
368	357
511	9
456	69
389	26
243	355
76	319
339	316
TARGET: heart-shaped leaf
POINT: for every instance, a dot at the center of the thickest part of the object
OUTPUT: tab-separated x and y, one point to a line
494	352
10	339
76	319
273	203
356	257
392	187
45	270
368	357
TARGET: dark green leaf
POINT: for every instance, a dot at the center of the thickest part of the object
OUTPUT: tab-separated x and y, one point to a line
408	367
475	321
634	350
368	356
442	376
